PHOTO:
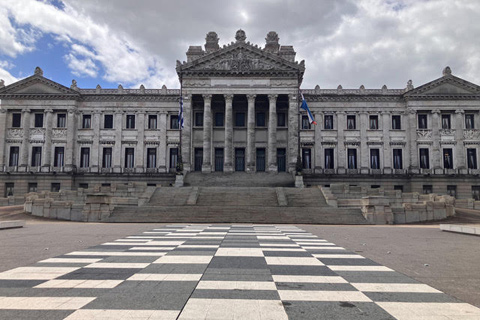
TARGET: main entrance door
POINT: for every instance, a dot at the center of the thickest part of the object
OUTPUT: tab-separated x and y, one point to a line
198	159
239	159
218	159
281	159
260	159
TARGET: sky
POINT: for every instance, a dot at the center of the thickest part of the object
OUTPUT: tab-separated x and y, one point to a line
348	42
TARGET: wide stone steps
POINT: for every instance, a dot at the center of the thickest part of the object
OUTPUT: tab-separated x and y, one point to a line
237	197
306	197
239	179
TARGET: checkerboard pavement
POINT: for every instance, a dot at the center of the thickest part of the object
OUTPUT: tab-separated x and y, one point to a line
220	272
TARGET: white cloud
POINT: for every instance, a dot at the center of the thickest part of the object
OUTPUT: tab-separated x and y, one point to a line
81	67
7	76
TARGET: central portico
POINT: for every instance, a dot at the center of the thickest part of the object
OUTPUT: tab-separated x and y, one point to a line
240	106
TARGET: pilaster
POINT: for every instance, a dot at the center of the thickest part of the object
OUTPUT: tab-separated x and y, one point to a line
71	139
293	118
317	156
272	133
94	153
228	163
162	147
47	147
460	152
436	155
387	149
3	131
117	147
207	133
413	163
186	133
341	149
251	133
364	150
140	154
25	142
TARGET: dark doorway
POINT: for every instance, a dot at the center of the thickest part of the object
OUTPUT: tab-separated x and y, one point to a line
198	159
218	159
281	159
239	159
260	159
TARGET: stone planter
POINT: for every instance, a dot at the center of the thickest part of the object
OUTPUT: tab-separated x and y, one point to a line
179	180
299	182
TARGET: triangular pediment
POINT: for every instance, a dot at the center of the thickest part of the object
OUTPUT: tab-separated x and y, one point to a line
37	85
240	58
447	85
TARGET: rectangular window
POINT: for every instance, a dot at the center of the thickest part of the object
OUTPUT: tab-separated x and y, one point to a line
448	158
61	120
475	192
427	189
107	158
452	191
129	157
9	189
108	121
219	119
16	120
281	119
152	121
351	125
38	120
329	164
84	157
422	121
240	119
446	124
469	121
424	159
198	119
83	185
352	158
59	158
32	187
373	122
174	122
14	156
173	158
55	187
260	119
87	121
397	159
396	123
398	187
307	158
130	121
151	158
305	123
374	159
36	156
328	122
472	158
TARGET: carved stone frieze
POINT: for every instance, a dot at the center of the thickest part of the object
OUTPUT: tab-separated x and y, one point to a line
424	134
37	132
447	132
239	60
472	134
58	133
15	133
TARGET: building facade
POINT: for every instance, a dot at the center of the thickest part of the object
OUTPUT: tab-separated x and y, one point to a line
240	113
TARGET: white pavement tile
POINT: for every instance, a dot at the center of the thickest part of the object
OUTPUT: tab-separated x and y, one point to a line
279	245
134	240
223	309
35	273
394	287
199	246
311	244
70	260
430	310
284	249
359	268
184	259
308	295
151	243
123	314
115	265
90	284
44	303
322	248
239	252
165	277
337	256
293	261
116	253
152	249
236	285
309	279
273	238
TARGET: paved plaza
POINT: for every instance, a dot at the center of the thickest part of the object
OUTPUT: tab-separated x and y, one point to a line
219	272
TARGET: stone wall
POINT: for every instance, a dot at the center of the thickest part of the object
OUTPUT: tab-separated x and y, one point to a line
92	204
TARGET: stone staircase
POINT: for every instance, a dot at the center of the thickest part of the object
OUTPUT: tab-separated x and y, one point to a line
239	179
196	204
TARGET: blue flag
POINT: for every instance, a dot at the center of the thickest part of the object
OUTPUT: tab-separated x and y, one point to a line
304	106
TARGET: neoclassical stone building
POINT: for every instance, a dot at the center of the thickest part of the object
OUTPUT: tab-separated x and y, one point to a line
241	113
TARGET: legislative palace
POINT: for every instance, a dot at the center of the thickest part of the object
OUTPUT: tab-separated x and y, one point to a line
241	113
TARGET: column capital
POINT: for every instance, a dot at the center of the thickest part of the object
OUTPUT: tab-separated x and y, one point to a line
3	110
460	112
251	97
96	111
436	111
292	97
26	110
411	111
72	110
207	97
272	97
228	97
48	111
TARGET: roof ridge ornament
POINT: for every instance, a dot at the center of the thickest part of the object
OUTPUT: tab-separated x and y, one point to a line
240	36
409	85
447	71
272	44
38	71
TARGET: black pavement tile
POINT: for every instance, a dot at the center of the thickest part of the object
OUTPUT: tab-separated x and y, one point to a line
303	310
236	294
130	259
238	262
190	252
35	314
20	283
286	254
100	274
348	262
168	268
301	270
61	265
374	277
59	292
13	292
315	286
236	271
156	286
236	277
140	300
410	297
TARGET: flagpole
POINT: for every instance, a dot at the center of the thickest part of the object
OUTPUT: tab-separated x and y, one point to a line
179	156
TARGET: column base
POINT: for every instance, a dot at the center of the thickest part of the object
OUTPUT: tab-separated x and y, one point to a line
162	169
364	170
45	168
69	168
251	169
206	168
117	169
187	167
227	168
273	168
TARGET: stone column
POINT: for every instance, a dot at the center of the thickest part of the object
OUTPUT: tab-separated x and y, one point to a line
317	156
413	165
364	150
251	133
228	162
387	150
3	133
71	139
293	116
272	133
140	150
436	155
341	149
47	146
117	147
95	152
207	133
23	163
162	146
187	133
460	151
